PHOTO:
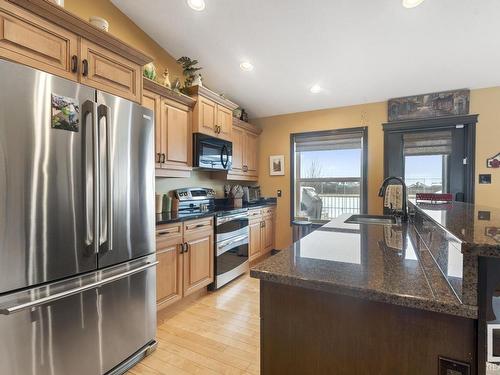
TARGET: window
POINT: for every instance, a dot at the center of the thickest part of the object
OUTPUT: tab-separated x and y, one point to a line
426	158
328	177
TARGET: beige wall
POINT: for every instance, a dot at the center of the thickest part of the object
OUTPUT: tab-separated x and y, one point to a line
275	140
123	28
486	102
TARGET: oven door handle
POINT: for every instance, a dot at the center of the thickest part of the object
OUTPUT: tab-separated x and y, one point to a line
226	245
225	219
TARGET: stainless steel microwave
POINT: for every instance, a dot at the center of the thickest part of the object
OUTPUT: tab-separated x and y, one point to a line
211	153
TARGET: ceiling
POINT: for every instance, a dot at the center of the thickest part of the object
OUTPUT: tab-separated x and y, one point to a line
358	51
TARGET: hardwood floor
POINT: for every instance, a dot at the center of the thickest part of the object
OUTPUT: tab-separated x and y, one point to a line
217	334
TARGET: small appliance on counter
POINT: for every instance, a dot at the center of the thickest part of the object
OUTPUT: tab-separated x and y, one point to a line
231	232
251	194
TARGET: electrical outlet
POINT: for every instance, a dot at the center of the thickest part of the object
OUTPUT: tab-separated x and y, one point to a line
279	193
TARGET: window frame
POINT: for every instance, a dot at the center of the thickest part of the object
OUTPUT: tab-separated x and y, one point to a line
364	165
432	124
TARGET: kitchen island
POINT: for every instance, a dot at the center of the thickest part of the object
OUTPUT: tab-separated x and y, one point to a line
376	299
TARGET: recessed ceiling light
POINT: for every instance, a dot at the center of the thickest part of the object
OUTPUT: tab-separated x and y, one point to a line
246	66
412	3
198	5
315	89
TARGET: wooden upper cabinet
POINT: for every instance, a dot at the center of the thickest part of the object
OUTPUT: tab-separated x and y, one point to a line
251	153
108	71
178	133
175	138
152	101
198	260
245	139
173	133
45	36
30	40
205	113
238	139
225	122
213	114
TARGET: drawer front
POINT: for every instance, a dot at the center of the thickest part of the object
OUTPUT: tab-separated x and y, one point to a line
254	215
31	41
268	211
199	225
110	72
168	232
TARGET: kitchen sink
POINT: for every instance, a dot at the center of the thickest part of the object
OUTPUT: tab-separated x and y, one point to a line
371	219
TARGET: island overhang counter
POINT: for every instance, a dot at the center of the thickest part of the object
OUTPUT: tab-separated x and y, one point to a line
375	299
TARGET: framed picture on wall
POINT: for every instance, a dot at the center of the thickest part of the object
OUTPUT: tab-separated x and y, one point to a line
277	165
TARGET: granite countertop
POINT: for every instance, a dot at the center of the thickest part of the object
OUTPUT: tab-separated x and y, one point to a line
386	263
175	217
478	227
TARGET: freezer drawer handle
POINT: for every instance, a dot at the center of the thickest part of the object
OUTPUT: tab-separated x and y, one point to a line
71	292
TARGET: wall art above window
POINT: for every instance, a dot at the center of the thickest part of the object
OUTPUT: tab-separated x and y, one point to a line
446	103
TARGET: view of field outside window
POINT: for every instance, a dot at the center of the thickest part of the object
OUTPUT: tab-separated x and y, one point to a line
424	174
328	183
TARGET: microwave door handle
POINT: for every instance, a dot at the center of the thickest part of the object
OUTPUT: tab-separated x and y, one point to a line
91	205
224	152
107	215
222	157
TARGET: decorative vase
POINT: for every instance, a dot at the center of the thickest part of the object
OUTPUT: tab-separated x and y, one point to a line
99	22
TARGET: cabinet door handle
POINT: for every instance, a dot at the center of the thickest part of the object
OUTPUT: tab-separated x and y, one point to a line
74	64
186	248
162	159
85	66
157	159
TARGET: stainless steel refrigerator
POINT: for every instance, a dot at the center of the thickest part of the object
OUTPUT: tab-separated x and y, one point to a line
77	263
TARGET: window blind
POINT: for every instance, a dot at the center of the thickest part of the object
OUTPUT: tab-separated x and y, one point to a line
427	143
328	142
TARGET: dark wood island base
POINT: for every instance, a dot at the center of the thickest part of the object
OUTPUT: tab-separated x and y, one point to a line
305	331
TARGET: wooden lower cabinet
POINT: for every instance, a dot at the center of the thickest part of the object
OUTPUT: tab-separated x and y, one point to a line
169	275
261	228
254	239
198	261
185	252
268	230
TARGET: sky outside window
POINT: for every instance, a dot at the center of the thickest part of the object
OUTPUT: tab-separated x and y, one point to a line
331	163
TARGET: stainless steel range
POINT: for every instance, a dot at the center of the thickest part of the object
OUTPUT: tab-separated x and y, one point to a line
231	232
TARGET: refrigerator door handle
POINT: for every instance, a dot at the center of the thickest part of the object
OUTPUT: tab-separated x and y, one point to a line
91	229
8	310
107	233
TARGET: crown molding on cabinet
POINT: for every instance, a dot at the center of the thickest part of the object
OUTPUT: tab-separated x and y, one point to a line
167	93
62	17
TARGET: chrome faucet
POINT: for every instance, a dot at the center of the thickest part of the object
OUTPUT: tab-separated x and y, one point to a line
382	191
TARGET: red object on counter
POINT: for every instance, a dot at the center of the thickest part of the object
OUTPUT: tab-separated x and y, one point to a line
434	197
